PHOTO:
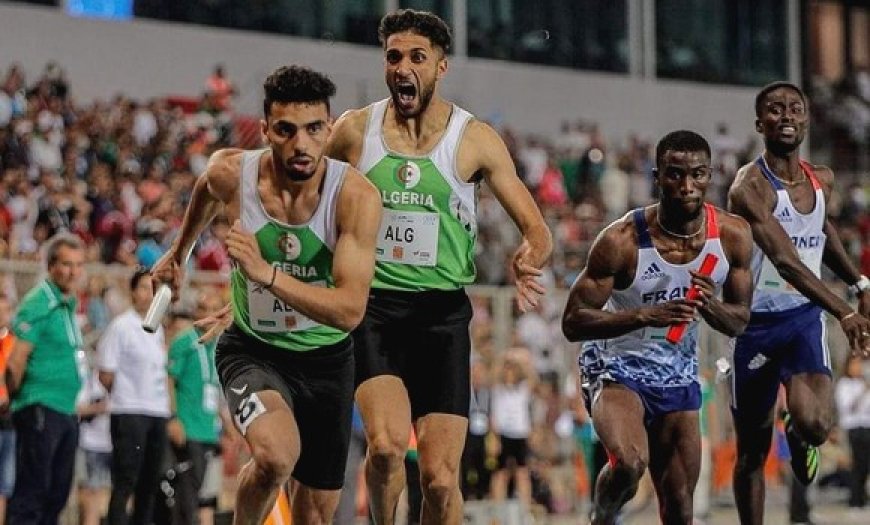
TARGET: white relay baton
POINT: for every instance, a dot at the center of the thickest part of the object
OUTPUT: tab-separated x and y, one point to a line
158	308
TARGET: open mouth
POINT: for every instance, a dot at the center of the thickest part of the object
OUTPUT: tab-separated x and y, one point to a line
406	92
787	131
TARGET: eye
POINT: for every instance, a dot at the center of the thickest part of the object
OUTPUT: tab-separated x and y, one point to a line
284	129
314	128
418	57
393	56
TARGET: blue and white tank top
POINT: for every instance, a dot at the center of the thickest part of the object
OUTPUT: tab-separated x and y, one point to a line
772	292
643	355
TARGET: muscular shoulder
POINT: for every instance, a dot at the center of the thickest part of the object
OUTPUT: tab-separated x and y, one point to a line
616	244
734	231
481	135
359	198
750	194
223	172
825	176
482	149
346	139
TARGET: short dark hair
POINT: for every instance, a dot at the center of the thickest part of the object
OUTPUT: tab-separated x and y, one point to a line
296	84
422	23
58	241
681	140
759	98
140	273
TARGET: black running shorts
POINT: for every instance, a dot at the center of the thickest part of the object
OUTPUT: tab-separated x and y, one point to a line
422	338
317	385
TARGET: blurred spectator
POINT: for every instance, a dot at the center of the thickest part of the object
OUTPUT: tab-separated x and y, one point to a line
132	367
512	423
194	429
852	395
476	472
95	443
220	89
44	376
7	432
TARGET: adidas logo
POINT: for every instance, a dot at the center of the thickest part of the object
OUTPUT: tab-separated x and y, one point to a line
758	361
652	272
784	216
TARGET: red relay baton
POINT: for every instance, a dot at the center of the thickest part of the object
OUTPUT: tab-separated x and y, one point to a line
676	331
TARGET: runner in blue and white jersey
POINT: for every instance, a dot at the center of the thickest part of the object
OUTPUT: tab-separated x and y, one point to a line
785	199
643	390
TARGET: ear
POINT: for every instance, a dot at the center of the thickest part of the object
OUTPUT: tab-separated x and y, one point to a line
264	128
758	125
442	67
655	173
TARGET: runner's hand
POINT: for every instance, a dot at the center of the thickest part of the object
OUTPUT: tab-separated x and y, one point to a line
526	279
243	248
169	271
857	330
213	325
669	313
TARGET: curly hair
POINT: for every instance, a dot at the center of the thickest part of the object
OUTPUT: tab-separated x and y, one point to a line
422	23
682	140
296	84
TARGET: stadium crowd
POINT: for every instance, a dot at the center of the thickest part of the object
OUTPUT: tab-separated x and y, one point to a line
118	174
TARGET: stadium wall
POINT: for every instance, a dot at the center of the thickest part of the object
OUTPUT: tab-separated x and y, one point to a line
145	58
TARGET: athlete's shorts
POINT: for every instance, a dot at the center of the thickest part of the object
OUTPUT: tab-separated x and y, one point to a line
774	347
317	385
422	338
97	470
656	400
513	448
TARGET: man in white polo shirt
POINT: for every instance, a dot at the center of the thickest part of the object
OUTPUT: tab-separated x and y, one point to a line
132	366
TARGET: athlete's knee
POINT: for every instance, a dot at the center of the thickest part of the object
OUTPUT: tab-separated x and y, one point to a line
272	463
439	484
316	510
628	465
750	459
815	428
387	454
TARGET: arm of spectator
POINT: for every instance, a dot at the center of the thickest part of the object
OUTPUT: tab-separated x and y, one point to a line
16	365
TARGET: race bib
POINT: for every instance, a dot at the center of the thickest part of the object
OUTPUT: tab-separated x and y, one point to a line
408	237
270	314
655	333
210	398
769	279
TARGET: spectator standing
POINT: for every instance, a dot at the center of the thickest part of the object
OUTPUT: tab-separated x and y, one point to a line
44	377
852	395
132	366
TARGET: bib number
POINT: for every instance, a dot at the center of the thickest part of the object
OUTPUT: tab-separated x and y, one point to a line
769	278
272	315
408	237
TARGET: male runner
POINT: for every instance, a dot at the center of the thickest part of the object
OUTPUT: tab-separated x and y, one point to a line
426	156
784	199
644	390
303	241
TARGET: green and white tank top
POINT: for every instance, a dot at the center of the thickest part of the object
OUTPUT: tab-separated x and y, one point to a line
302	250
427	234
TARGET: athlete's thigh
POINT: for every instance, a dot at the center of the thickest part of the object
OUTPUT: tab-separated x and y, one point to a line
617	415
755	382
323	416
809	393
675	453
386	412
437	371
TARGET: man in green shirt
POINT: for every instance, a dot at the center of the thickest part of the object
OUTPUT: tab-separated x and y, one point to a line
44	377
194	428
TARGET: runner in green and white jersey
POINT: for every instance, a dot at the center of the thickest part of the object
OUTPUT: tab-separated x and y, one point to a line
303	242
426	156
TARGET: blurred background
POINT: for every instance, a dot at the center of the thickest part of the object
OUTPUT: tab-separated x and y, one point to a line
110	109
